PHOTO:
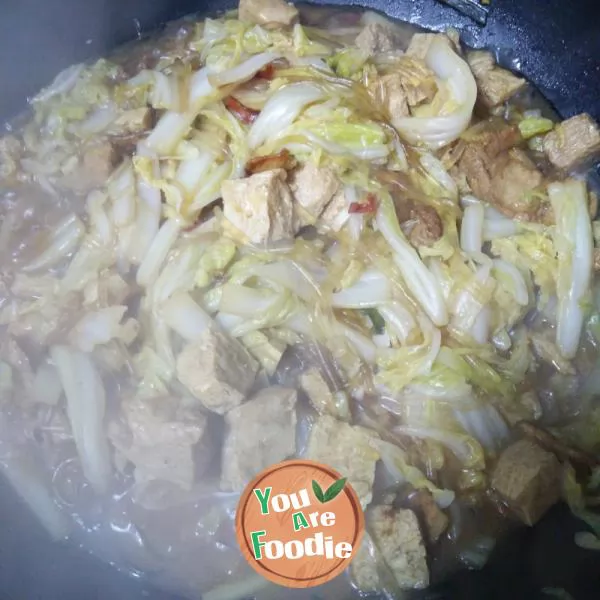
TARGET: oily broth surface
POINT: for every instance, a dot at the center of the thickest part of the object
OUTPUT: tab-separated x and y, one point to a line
190	546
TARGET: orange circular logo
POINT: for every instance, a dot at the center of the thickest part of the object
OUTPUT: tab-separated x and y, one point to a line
299	523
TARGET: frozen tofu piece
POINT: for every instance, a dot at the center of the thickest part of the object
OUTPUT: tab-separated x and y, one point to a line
217	370
95	166
346	449
336	214
397	536
260	207
159	439
323	400
363	568
573	142
313	188
392	97
494	84
267	12
434	521
526	477
376	38
260	433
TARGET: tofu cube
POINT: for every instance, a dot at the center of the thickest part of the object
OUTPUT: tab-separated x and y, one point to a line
363	568
346	449
313	187
159	440
397	536
260	432
573	142
259	207
376	38
495	84
217	370
526	477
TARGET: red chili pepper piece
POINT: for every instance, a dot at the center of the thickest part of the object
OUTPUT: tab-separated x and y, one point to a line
368	206
243	113
267	72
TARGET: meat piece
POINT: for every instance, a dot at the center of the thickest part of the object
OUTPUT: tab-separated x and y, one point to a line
397	535
267	12
573	142
376	38
434	521
420	42
389	93
159	439
260	207
504	178
282	160
424	226
10	150
495	84
240	111
526	477
313	188
418	80
217	370
514	178
346	449
260	433
93	170
551	443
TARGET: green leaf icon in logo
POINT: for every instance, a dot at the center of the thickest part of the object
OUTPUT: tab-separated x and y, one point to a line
332	491
318	491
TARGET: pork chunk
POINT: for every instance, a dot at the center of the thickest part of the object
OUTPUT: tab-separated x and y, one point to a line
494	84
260	207
514	177
159	439
346	449
504	178
376	38
397	535
260	432
526	477
93	170
424	227
267	12
435	522
313	188
217	370
573	142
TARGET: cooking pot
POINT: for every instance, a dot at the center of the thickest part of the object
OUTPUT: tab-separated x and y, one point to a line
554	43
